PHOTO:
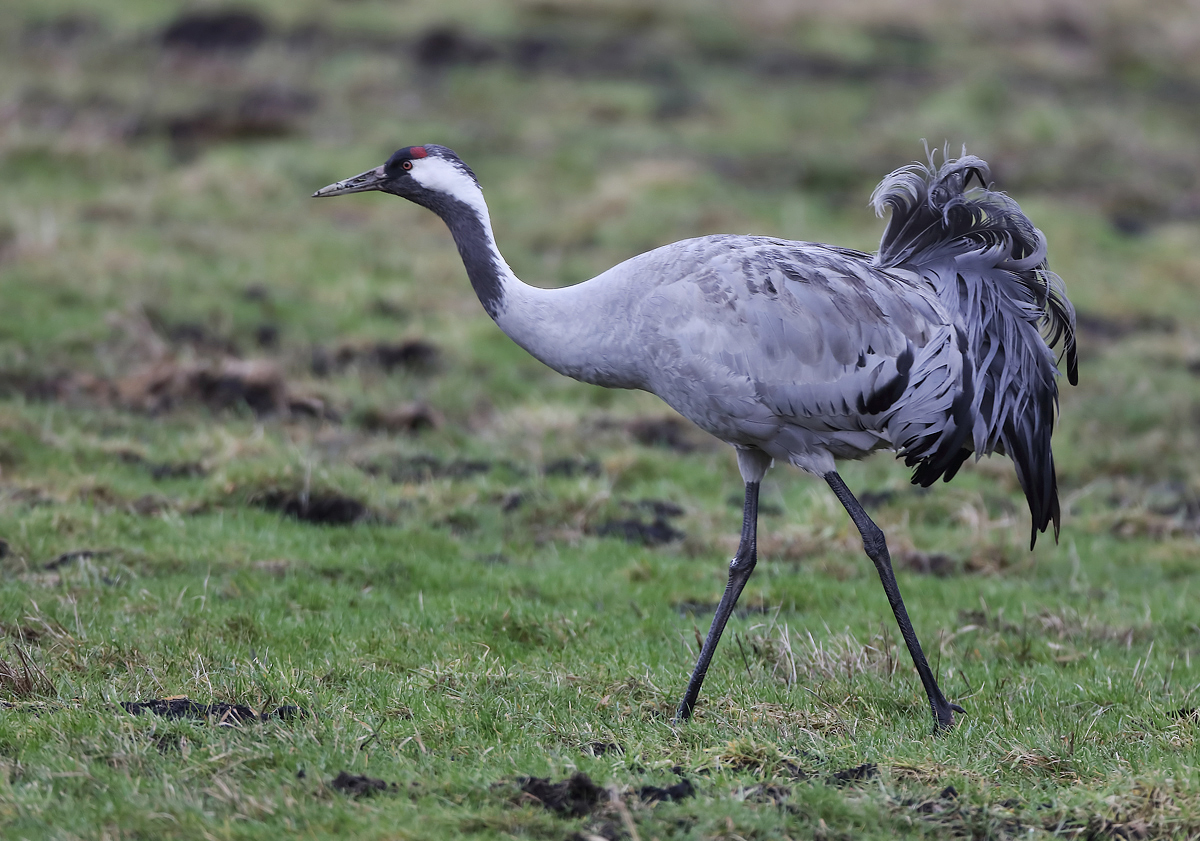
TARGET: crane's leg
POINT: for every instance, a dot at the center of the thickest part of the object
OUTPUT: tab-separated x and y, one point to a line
739	573
877	551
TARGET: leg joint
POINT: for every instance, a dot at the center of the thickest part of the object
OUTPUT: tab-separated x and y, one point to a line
873	540
743	563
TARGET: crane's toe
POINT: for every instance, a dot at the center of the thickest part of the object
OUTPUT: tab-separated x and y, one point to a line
943	715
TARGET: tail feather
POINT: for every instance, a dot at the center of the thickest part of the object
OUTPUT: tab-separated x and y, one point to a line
988	264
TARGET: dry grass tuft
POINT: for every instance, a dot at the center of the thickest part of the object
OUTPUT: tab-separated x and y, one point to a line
763	760
1040	762
837	656
1068	623
24	678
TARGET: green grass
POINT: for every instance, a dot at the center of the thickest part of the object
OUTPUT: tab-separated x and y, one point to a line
473	628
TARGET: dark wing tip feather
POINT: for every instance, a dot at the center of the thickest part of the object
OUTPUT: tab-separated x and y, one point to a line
979	238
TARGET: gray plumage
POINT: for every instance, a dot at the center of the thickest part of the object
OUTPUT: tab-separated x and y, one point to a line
937	347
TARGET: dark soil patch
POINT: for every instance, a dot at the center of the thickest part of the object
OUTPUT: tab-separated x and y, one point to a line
773	794
575	796
653	533
45	387
190	334
414	356
359	785
77	555
446	46
3	549
258	114
569	468
603	748
407	418
927	563
659	507
876	499
163	470
266	335
857	774
1093	326
221	30
405	470
323	509
223	384
220	713
681	790
672	433
607	46
22	633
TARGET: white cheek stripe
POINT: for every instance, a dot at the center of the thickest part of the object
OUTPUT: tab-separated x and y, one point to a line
444	177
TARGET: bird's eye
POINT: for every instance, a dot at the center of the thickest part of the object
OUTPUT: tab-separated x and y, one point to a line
407	165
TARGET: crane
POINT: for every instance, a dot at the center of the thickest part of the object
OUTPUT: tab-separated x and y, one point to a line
939	346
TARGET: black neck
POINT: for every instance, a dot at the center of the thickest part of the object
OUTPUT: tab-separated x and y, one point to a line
479	255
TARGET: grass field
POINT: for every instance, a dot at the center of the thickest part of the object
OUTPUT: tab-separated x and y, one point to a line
268	455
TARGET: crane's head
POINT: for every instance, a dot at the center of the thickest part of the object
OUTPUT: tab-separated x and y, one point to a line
432	176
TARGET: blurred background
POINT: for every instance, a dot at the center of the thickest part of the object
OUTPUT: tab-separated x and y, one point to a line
160	254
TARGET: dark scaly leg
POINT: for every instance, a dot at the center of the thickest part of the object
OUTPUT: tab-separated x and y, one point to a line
739	573
877	551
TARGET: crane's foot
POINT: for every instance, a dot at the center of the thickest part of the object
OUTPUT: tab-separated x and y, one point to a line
943	716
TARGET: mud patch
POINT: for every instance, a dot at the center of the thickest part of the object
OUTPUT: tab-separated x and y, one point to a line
603	748
928	563
671	433
773	794
219	713
194	335
408	418
1093	326
220	385
651	530
264	113
681	790
360	785
447	46
77	555
221	30
322	509
161	471
873	500
857	774
653	533
404	470
569	468
414	356
575	797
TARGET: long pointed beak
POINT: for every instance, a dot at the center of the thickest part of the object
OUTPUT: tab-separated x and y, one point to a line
369	180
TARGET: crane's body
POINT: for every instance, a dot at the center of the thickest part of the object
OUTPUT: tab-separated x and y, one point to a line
802	352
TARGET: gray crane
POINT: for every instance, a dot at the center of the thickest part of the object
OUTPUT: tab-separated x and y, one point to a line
939	346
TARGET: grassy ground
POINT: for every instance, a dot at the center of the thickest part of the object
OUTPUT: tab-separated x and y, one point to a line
269	454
